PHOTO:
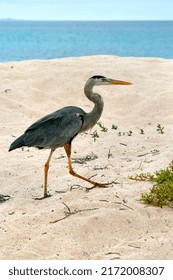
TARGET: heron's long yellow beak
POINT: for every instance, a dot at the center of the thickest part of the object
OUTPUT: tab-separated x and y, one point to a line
117	82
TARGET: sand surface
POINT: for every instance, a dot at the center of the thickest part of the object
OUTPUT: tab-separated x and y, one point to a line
108	223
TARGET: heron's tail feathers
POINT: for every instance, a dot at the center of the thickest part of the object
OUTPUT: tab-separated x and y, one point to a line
19	142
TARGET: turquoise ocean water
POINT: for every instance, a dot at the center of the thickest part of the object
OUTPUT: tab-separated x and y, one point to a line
23	40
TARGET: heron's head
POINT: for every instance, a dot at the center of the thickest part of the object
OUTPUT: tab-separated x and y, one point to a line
101	80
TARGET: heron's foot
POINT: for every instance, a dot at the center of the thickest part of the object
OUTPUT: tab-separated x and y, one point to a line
98	185
43	197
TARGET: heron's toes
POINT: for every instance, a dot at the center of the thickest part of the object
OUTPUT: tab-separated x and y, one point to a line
98	185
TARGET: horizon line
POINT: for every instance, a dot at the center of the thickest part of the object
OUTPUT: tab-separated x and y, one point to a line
16	19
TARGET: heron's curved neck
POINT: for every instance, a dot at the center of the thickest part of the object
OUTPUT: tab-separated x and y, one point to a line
96	112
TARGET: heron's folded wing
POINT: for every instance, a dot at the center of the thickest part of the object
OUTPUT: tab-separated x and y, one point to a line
54	130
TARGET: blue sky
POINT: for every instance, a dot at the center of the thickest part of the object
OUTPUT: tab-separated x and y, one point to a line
87	9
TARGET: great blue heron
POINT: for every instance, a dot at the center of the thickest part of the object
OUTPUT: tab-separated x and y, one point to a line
61	127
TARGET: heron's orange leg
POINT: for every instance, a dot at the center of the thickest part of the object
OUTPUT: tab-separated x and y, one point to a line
46	168
67	148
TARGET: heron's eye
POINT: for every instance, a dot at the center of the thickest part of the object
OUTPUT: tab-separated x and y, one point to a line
103	80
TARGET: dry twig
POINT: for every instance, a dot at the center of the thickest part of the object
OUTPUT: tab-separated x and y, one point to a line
69	212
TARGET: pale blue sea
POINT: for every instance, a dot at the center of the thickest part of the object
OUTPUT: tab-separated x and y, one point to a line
23	40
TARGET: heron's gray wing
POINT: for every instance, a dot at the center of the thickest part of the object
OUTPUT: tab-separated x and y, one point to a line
55	129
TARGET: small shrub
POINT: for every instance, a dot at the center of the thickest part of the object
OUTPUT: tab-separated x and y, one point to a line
161	194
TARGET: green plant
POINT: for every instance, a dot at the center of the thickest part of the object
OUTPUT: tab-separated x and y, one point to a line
129	133
161	194
142	131
95	135
103	128
160	129
114	126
